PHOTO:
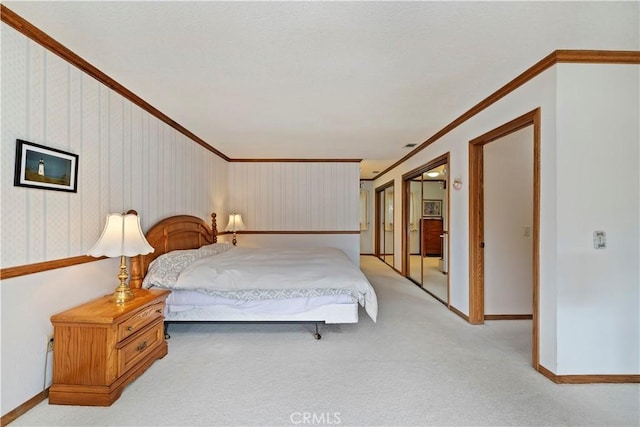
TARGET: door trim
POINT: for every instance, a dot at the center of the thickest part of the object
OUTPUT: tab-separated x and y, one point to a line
476	220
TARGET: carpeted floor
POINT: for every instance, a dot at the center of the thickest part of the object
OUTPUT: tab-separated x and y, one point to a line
419	365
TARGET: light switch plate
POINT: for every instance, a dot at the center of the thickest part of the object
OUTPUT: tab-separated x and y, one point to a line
599	239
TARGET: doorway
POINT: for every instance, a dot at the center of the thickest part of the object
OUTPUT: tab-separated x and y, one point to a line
426	227
478	223
384	223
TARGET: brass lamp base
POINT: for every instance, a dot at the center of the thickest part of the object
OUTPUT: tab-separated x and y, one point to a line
122	293
120	296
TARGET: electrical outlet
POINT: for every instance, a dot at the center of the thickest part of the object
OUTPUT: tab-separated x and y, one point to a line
50	343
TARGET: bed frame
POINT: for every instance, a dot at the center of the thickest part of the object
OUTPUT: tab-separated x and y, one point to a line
190	232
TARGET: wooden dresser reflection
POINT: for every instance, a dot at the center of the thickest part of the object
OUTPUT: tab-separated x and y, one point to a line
431	236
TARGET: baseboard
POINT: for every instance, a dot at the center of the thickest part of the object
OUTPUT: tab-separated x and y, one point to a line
588	379
508	316
13	415
459	313
547	373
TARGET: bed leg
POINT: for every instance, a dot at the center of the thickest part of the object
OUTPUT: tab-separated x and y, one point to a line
166	331
317	334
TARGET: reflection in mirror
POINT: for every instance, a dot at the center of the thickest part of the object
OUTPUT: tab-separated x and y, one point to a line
426	217
415	200
380	206
434	196
388	225
364	221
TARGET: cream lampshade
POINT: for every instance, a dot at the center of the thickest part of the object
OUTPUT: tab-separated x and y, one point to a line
235	224
121	237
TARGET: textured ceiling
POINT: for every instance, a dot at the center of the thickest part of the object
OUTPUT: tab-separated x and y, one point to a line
324	79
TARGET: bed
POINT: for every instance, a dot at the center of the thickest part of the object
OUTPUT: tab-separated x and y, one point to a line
217	282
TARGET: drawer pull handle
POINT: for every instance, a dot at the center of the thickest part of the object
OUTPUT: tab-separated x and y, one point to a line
142	346
158	311
129	328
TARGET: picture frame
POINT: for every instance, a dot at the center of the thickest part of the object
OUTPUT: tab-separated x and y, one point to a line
37	166
432	208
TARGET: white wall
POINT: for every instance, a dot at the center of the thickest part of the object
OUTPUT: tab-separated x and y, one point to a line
588	323
127	160
508	210
433	190
598	187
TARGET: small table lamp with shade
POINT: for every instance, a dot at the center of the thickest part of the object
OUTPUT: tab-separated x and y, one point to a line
235	224
122	237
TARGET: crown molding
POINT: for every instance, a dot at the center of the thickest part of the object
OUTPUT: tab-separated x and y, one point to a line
295	160
555	57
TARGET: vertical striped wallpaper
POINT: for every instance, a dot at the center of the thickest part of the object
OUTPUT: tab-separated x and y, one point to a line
289	196
128	159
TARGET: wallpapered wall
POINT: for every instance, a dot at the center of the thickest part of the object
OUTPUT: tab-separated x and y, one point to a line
295	196
128	159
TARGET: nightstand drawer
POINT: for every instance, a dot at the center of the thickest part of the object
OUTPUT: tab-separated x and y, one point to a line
132	352
140	320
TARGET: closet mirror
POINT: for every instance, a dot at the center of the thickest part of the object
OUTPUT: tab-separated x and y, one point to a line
384	221
426	199
364	219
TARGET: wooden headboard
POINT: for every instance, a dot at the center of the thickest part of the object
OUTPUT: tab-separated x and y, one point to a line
170	234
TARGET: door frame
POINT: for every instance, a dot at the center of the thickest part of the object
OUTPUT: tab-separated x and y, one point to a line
476	220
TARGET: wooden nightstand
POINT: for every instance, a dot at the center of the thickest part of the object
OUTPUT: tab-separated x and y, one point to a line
100	347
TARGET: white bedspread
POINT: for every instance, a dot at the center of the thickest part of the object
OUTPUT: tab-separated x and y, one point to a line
279	269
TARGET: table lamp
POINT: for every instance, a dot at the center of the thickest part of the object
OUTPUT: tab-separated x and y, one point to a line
123	237
235	224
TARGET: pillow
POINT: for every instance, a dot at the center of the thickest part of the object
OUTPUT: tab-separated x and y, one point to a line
215	248
164	270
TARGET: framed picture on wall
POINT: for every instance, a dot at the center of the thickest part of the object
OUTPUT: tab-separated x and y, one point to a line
43	167
431	208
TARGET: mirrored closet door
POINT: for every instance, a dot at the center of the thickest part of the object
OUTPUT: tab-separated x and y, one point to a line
426	200
384	221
